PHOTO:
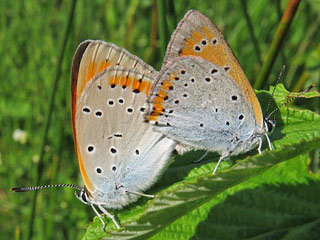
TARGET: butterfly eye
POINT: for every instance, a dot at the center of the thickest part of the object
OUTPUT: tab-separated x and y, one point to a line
82	196
270	124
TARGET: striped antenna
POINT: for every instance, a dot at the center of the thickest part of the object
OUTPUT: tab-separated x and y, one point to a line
290	100
27	189
275	86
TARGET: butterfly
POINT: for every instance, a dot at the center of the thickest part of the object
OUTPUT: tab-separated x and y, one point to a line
202	97
119	155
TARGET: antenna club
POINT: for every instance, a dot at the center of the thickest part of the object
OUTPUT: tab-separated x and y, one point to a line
291	99
17	189
311	86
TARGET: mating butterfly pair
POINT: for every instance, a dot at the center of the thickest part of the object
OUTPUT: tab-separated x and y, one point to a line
128	118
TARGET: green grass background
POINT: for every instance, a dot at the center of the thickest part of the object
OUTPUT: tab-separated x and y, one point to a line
31	38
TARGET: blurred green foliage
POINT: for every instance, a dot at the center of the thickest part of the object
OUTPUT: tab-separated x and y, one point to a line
31	36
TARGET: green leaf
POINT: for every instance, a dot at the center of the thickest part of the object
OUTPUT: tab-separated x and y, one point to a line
281	95
266	212
186	188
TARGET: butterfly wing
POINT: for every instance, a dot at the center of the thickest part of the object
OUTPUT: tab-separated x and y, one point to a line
197	103
119	151
196	35
90	59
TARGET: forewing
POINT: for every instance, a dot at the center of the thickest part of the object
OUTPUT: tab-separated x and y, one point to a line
115	143
91	58
196	102
196	35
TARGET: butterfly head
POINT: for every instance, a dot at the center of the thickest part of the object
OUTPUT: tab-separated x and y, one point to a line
269	124
83	196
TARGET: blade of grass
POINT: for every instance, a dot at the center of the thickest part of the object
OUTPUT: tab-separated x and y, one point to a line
277	42
163	28
301	81
298	61
151	51
17	233
251	31
54	175
314	165
171	16
49	115
279	14
131	14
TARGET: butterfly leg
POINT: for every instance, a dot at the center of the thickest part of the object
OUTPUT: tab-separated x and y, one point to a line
260	146
140	194
269	142
108	215
218	164
99	216
202	157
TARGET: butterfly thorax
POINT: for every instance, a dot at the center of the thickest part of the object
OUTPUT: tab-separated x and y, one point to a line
245	143
231	143
112	196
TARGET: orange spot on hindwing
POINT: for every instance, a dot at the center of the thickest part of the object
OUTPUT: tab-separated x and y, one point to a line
160	97
166	84
162	94
158	100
